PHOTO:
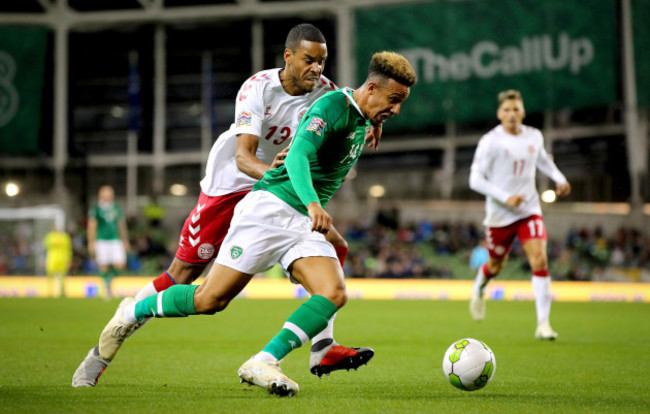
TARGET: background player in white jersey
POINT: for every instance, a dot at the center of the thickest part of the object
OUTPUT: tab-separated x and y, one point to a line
503	170
268	108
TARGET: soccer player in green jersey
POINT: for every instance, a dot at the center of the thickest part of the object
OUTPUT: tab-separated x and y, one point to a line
108	239
283	220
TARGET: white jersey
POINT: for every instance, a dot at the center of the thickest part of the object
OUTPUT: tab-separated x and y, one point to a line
505	165
264	109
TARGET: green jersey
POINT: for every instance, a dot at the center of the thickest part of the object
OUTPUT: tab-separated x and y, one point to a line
327	143
108	218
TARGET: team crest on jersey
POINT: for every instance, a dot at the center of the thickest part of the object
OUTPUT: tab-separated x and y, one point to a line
236	252
205	251
267	111
317	125
244	119
531	149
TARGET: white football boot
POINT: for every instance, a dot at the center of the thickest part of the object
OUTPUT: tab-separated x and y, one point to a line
477	307
269	376
545	332
115	332
90	369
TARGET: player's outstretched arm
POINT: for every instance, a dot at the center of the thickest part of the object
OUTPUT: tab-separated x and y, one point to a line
563	189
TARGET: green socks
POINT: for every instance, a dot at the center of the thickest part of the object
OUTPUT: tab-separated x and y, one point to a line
175	301
307	321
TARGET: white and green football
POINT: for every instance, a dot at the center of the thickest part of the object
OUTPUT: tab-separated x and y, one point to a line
469	364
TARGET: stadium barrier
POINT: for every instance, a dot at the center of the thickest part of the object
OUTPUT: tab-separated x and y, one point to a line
427	289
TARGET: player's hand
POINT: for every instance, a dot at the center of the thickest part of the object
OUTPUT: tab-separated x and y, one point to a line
321	221
563	190
515	200
373	136
279	158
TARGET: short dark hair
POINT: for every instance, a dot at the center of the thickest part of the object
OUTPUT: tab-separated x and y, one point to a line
509	94
392	65
303	31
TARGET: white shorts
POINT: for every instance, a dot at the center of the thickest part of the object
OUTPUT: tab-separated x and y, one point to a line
264	231
109	252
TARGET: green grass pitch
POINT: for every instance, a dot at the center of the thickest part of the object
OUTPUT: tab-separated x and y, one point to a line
600	363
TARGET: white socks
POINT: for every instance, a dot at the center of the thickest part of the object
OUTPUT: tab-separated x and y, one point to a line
542	290
146	291
327	333
479	283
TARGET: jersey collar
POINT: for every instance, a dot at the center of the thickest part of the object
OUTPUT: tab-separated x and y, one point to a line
348	92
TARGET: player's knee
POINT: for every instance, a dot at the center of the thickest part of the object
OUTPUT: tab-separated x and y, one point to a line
338	296
206	304
538	262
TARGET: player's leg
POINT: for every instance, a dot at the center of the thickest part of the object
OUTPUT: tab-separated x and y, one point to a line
499	242
322	277
534	241
201	236
326	354
220	286
200	239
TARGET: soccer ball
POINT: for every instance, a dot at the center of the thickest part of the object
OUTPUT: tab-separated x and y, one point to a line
469	364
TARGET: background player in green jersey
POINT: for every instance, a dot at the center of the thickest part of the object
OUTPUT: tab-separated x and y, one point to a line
283	220
108	239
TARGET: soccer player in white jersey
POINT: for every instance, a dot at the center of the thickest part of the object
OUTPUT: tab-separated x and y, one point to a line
268	108
503	170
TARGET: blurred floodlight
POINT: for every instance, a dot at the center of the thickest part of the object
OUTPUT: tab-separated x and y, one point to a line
12	189
117	111
549	196
178	190
377	191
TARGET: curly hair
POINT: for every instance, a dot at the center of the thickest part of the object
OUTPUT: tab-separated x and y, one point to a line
392	65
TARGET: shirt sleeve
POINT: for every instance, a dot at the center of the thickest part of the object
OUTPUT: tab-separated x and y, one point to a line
546	165
297	165
249	106
479	170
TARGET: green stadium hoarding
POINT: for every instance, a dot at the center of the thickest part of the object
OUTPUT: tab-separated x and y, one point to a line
558	53
22	60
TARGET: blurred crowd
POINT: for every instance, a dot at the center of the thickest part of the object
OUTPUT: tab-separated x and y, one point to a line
378	249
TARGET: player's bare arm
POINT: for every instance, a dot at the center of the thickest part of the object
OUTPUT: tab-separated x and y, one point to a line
321	221
91	234
247	162
563	189
124	235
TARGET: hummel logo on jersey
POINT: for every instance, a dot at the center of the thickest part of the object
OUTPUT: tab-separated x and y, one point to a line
199	207
236	252
351	135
